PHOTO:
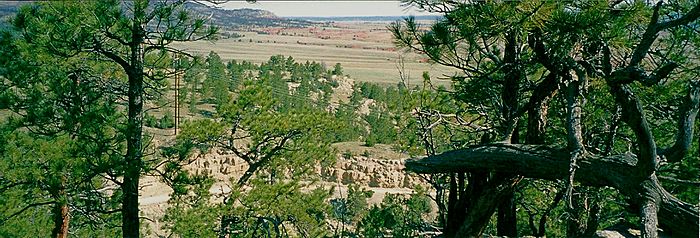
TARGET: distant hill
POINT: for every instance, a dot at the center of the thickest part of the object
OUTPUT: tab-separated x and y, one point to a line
7	10
237	19
243	18
229	19
363	18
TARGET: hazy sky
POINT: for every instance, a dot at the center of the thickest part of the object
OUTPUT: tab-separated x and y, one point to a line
327	8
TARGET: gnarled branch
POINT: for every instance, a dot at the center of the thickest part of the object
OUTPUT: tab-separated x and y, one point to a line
550	163
686	122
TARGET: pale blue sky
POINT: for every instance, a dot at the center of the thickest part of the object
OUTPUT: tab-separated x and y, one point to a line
327	8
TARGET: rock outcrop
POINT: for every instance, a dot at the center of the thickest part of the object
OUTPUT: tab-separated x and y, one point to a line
370	172
360	170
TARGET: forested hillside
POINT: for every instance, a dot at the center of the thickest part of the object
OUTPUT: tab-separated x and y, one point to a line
566	119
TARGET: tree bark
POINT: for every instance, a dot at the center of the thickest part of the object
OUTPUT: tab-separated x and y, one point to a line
543	219
61	212
484	204
537	110
535	135
507	220
134	130
545	162
686	120
633	115
583	220
132	169
649	212
454	210
61	218
574	223
593	210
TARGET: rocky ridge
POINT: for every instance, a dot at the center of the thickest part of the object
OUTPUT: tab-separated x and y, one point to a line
368	171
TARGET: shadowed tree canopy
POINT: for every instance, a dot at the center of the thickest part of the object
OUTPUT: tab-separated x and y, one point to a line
580	66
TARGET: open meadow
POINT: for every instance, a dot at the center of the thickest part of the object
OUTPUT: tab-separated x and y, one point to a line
364	49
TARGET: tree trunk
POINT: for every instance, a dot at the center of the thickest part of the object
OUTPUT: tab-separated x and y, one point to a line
132	170
541	231
435	181
535	134
650	199
507	222
454	211
506	219
649	219
575	223
61	218
134	130
484	205
593	221
252	167
537	108
61	212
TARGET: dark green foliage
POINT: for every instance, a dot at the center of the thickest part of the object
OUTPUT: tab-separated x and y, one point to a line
215	86
352	208
238	73
382	128
351	127
193	80
150	120
267	206
338	69
392	119
515	53
64	78
397	216
281	144
166	121
191	213
130	50
63	133
372	91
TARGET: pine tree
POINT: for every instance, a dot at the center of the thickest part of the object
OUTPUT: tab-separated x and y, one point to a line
58	142
281	146
215	86
123	33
